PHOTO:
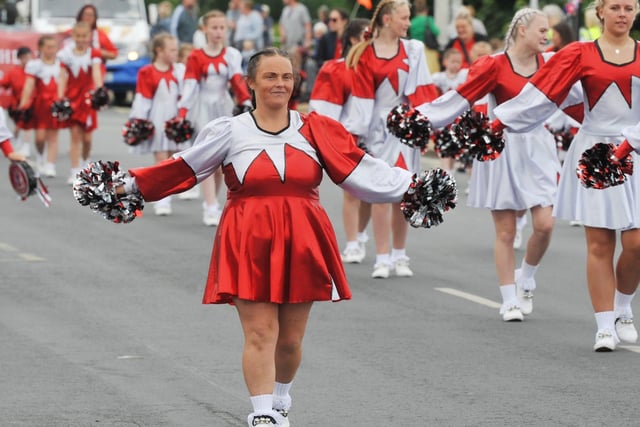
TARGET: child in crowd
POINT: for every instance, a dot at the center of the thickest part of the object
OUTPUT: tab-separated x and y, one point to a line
13	80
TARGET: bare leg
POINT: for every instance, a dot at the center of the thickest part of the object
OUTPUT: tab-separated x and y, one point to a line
628	266
504	222
75	149
542	222
293	323
364	215
381	218
601	245
86	145
350	214
399	227
51	136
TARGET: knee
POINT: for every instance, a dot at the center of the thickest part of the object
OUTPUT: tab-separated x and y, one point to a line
544	228
261	336
289	345
506	236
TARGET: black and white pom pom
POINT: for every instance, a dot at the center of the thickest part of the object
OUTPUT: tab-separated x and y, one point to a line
61	109
98	98
178	130
21	116
241	108
95	186
137	130
597	167
430	195
409	125
482	143
448	143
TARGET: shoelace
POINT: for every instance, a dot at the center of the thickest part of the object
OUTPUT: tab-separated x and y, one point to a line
263	420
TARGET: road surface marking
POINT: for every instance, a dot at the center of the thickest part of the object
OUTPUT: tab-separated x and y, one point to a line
7	248
634	348
470	297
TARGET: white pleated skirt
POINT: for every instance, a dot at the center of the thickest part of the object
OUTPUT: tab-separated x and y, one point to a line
525	175
615	208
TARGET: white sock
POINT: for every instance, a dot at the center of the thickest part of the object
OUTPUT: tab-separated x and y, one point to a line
521	221
622	302
210	208
281	397
397	254
353	244
383	258
508	293
262	403
363	237
605	320
527	271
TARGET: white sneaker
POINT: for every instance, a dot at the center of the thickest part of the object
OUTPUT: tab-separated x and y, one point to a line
605	341
273	418
626	330
575	223
49	170
524	291
191	194
402	268
381	270
511	312
72	175
162	208
517	240
211	216
353	255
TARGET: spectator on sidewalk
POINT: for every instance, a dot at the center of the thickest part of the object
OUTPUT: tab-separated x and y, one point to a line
295	25
184	21
248	27
329	46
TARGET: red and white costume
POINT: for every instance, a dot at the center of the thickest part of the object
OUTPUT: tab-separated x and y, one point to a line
378	86
100	41
79	84
611	104
14	80
156	99
525	174
45	91
275	242
206	85
331	91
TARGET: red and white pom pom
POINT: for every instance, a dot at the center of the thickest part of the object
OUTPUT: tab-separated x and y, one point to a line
482	142
178	130
598	168
430	194
136	131
409	125
449	142
98	98
95	186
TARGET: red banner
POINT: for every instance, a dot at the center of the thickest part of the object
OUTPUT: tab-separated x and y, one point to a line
10	41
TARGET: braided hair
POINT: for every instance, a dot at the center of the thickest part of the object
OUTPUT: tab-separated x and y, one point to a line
523	17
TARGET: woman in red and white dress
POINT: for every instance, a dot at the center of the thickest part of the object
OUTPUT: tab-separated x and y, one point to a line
330	95
606	69
275	250
388	70
156	99
40	92
525	174
209	73
80	73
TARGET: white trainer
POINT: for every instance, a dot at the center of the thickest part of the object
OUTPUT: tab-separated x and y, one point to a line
524	291
511	312
626	330
402	268
381	270
162	209
211	216
272	418
72	175
517	240
48	170
353	255
606	341
191	194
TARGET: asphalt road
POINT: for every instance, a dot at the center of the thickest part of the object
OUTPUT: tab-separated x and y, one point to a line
101	325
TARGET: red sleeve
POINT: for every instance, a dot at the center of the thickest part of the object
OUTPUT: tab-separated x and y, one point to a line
7	148
560	72
240	89
576	112
362	79
424	93
332	83
335	146
192	70
163	179
95	53
106	43
145	84
481	79
5	82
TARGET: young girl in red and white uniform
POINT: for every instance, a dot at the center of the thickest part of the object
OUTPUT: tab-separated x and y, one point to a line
40	91
275	250
388	70
80	73
606	69
330	95
14	80
525	174
156	99
209	73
